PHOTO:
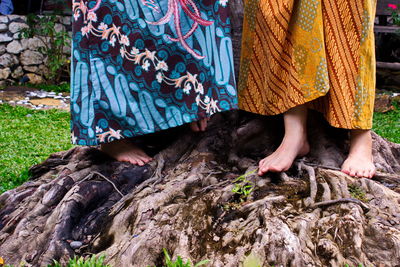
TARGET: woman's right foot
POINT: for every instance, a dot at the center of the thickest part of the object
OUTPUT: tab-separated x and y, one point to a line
126	151
294	143
282	159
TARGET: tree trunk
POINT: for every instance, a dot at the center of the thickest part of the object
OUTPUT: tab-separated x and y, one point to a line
183	201
81	202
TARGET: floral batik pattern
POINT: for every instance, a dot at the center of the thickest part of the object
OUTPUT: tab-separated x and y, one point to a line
141	66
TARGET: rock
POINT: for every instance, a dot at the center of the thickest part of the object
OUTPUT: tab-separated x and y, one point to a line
2	49
17	36
43	69
5	73
25	44
66	20
33	69
4	19
5	38
16	26
76	244
3	27
59	27
34	43
383	103
16	18
67	50
18	73
14	47
8	60
29	57
34	78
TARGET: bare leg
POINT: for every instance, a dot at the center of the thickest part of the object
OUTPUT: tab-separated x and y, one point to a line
294	142
124	150
359	163
199	126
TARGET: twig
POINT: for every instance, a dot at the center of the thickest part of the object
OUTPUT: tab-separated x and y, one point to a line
340	201
108	180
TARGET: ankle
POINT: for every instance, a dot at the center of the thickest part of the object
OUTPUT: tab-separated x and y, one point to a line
360	142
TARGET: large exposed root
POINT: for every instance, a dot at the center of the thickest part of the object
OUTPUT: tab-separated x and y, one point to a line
81	202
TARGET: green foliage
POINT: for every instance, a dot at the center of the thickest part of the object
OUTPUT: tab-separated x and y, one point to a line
359	265
28	137
387	124
81	262
43	27
243	187
179	261
357	192
395	10
63	87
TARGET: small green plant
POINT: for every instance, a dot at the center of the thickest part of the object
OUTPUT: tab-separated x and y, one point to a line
395	10
359	265
179	261
243	187
43	27
81	262
357	192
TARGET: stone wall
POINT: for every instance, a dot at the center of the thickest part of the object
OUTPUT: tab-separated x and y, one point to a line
20	60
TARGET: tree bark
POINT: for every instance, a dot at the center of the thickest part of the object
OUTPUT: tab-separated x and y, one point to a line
81	202
311	215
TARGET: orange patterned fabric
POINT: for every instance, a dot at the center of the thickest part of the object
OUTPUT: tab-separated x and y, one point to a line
318	52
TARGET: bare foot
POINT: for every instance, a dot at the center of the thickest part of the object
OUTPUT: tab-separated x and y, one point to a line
124	150
294	143
282	159
199	126
359	163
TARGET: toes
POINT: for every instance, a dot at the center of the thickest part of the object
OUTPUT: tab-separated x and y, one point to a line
146	159
346	171
140	162
352	173
371	173
194	126
203	124
129	160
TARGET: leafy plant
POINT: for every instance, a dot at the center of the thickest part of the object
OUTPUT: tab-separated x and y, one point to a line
243	187
395	10
43	27
179	261
81	262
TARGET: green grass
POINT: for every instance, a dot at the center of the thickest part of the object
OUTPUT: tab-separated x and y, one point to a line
388	125
94	261
60	88
28	137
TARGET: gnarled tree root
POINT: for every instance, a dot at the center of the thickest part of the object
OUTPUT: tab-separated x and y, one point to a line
183	201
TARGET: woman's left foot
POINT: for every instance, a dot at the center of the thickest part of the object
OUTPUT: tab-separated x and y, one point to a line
199	126
360	163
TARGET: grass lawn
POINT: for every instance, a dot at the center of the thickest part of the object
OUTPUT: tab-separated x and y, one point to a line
28	137
388	125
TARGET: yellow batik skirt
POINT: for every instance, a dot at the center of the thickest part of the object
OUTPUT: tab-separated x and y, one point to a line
318	52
